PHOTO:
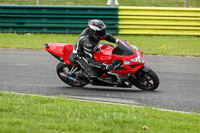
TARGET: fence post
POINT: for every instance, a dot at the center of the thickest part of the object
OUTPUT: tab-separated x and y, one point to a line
186	3
113	2
38	2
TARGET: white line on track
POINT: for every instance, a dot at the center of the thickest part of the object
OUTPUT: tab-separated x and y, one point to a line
102	100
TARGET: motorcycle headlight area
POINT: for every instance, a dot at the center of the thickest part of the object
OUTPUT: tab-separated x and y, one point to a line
138	59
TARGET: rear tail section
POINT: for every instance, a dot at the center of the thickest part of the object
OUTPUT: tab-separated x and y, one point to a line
60	51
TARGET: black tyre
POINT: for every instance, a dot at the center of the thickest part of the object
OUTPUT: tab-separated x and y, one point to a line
147	81
63	70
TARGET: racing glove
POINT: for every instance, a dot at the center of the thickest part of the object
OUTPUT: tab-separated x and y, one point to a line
115	65
107	67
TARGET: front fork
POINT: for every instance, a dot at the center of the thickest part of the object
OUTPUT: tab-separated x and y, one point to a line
145	69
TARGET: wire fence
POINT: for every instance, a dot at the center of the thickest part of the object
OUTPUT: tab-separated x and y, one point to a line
169	3
53	2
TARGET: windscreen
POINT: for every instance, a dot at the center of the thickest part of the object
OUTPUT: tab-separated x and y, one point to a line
123	49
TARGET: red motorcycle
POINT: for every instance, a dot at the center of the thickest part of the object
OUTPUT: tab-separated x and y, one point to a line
129	59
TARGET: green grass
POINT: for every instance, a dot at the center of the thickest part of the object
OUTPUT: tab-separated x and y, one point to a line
25	113
156	45
157	3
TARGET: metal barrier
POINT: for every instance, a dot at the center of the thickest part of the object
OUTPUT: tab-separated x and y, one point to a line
157	20
54	19
122	20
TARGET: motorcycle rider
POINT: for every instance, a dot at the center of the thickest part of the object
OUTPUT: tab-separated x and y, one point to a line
85	46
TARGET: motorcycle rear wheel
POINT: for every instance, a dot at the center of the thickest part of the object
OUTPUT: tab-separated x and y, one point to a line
63	70
147	81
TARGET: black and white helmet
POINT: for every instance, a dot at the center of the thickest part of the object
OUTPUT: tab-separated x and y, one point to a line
97	29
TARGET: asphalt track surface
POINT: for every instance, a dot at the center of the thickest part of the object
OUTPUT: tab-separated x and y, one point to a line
33	72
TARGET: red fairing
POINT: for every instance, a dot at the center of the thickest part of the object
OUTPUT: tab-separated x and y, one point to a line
56	48
60	49
103	54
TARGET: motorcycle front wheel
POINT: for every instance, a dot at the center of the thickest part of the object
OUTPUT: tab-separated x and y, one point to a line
147	81
63	71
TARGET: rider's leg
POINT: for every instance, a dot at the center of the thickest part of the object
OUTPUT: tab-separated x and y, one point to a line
89	71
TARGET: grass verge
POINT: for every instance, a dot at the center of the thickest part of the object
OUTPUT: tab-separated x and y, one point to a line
164	3
157	45
26	113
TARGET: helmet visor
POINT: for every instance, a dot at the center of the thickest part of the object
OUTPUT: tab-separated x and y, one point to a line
101	33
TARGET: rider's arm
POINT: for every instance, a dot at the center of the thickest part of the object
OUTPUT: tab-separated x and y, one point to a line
88	50
111	38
